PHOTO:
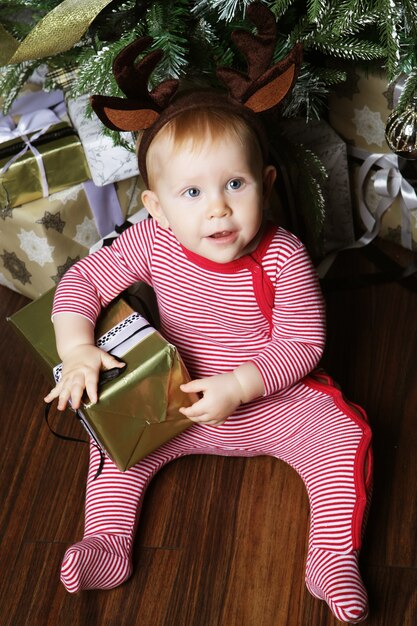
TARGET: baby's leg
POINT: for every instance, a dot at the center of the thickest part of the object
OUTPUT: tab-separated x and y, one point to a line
332	454
102	560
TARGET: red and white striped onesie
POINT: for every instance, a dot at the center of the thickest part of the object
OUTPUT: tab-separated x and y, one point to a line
265	307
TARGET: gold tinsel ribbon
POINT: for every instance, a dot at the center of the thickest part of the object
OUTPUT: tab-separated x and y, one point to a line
58	31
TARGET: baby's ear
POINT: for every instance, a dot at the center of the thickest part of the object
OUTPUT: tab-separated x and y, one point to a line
269	175
153	206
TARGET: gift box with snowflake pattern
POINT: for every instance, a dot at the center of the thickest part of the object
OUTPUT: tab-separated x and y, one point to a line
108	163
359	111
40	240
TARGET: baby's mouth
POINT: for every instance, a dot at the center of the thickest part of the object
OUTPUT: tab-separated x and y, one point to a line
220	234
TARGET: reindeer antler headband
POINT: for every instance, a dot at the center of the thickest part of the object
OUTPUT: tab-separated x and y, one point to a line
259	90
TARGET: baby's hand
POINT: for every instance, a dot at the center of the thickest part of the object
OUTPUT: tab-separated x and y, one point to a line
221	395
80	370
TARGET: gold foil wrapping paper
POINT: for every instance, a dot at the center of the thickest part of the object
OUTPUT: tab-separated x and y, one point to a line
63	159
136	412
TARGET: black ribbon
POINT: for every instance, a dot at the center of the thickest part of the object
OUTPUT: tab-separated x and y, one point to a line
15	146
104	377
119	229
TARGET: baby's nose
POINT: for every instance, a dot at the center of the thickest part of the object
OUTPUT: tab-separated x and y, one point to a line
218	208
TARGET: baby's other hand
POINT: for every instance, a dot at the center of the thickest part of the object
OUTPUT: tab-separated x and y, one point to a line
221	395
81	367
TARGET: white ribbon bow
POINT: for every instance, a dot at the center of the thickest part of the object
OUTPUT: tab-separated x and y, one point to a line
36	122
389	184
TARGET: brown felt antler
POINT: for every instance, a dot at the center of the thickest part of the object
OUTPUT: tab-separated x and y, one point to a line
262	87
141	107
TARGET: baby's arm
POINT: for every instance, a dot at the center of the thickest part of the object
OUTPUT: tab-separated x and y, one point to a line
81	360
222	394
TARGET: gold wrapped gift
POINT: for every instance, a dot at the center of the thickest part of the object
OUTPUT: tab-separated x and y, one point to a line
359	109
384	198
41	239
57	162
136	412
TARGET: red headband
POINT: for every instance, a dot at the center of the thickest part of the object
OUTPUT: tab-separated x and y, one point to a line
259	90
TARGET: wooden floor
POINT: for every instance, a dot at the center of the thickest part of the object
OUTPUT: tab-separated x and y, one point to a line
221	541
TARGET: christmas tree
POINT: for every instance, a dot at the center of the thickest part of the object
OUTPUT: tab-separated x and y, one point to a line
74	42
195	37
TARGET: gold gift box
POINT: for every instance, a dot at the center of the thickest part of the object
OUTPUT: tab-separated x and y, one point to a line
63	159
137	412
358	111
41	239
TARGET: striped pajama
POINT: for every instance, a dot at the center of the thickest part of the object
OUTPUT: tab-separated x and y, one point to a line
266	308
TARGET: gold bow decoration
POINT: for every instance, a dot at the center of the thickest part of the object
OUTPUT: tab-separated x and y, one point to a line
58	31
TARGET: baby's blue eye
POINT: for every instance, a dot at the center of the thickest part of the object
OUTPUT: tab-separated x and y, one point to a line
193	192
234	184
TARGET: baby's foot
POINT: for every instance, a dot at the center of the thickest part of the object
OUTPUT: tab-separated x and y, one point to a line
335	578
97	562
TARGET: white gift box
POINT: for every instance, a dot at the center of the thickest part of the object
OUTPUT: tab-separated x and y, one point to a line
108	163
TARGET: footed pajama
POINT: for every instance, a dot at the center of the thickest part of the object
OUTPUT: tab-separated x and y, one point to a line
312	428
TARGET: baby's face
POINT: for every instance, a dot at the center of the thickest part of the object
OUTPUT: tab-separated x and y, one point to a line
212	197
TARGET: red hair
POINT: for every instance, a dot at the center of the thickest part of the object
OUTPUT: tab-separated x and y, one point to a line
197	126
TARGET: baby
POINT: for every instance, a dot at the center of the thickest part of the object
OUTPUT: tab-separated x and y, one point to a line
240	300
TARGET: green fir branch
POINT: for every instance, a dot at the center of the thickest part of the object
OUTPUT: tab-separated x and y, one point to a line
12	80
168	25
389	32
309	95
316	10
279	7
409	92
302	31
226	10
20	16
348	48
410	17
209	48
330	76
310	196
352	24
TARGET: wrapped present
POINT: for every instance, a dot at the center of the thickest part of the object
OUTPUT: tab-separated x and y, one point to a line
108	163
41	239
139	410
359	109
40	152
383	193
330	148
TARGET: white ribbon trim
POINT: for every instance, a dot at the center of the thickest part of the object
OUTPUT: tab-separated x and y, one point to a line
389	184
36	117
28	123
39	121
